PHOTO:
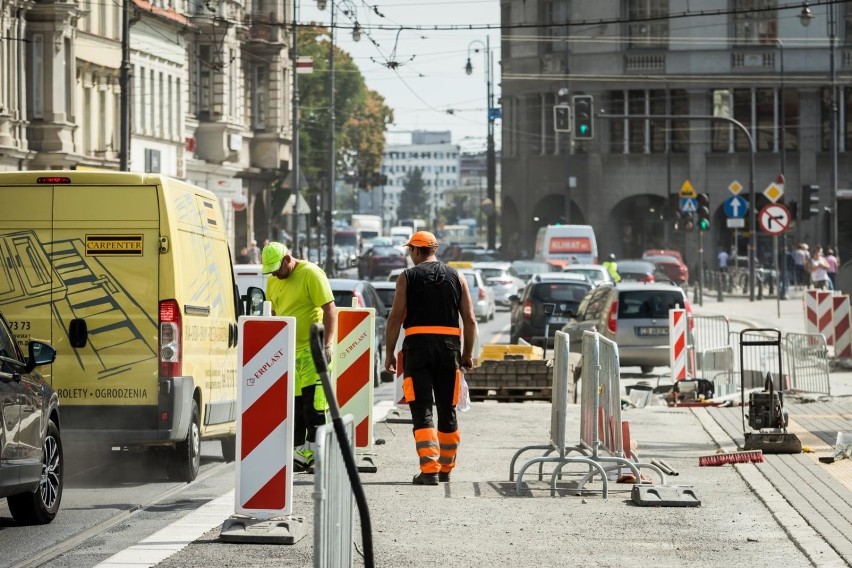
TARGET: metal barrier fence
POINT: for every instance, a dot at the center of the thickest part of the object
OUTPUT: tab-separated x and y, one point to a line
808	353
558	430
334	502
718	368
708	332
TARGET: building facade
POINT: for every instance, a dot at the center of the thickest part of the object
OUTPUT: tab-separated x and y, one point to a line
437	158
209	95
751	60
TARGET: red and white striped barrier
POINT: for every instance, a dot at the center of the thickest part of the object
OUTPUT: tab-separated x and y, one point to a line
677	344
842	327
354	370
818	314
267	372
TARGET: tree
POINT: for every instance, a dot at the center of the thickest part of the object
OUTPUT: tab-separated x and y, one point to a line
364	139
413	200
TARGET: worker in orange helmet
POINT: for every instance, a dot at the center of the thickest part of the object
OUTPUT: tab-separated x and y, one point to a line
429	300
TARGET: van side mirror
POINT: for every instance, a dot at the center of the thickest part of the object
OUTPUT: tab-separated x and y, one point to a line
514	298
254	300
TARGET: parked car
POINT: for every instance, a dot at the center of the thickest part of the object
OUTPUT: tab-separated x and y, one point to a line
595	272
663	252
31	460
674	268
524	269
633	314
504	283
638	270
481	294
547	302
345	291
379	261
386	291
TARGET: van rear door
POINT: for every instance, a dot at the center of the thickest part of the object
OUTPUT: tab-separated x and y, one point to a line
105	252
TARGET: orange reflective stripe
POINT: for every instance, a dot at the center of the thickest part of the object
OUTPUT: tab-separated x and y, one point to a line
457	388
426	443
433	329
408	389
448	448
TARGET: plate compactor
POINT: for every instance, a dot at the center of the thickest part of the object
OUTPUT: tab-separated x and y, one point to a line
767	417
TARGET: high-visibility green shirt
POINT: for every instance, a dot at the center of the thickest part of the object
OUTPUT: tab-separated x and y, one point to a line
301	295
612	268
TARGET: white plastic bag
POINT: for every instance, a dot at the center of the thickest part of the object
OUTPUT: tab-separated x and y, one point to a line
464	394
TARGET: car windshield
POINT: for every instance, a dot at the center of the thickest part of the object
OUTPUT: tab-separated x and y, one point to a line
663	259
525	269
387	251
386	295
343	298
636	304
559	292
593	274
491	272
635	266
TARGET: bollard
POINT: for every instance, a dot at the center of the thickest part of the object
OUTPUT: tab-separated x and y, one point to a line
719	285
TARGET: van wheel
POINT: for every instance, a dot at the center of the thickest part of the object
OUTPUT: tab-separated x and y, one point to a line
39	507
229	448
186	457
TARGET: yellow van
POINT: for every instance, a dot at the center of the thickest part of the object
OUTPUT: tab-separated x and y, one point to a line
129	277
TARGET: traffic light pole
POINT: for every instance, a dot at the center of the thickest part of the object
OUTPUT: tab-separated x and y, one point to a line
752	257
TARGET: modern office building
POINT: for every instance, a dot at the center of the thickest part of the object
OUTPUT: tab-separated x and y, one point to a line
763	63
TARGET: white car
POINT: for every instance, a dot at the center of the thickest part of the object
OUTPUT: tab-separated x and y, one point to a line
481	294
498	275
596	272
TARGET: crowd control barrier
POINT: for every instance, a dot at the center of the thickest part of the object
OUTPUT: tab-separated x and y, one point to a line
264	468
353	376
334	501
558	417
707	332
808	362
600	408
818	313
678	345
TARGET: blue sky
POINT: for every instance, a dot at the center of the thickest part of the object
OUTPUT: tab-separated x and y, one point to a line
429	78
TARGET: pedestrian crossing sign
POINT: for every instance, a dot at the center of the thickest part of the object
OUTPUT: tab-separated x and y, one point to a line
688	205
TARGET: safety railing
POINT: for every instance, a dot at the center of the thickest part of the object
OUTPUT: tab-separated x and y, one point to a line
708	332
556	451
334	502
808	355
718	368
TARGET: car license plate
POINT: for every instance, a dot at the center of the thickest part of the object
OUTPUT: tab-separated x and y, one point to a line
557	319
651	331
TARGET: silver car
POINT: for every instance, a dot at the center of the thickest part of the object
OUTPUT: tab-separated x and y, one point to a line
498	276
635	315
481	294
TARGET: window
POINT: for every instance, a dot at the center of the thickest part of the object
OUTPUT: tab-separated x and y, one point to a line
643	135
643	27
259	98
755	22
204	76
533	124
761	112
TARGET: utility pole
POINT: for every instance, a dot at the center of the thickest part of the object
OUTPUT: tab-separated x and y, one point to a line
329	213
294	143
124	86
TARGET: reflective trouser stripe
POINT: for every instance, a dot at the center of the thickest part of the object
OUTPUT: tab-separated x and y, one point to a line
426	442
448	445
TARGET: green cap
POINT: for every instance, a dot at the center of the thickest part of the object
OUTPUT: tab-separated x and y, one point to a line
271	256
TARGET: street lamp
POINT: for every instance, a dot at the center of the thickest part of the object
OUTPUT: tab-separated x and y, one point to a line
491	166
805	17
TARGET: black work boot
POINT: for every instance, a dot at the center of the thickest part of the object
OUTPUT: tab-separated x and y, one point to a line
425	479
444	476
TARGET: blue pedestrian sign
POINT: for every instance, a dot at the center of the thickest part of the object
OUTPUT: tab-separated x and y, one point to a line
688	205
735	207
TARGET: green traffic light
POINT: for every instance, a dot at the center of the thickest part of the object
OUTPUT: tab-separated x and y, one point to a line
584	128
703	224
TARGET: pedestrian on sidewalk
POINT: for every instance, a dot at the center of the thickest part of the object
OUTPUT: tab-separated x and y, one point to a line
301	290
253	253
832	268
801	257
818	267
429	300
723	260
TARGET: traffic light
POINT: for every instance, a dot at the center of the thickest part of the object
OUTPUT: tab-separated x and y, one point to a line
809	201
703	212
562	118
584	117
677	220
688	222
793	206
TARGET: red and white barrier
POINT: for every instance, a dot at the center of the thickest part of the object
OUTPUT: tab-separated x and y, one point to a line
267	372
677	344
818	314
842	327
354	370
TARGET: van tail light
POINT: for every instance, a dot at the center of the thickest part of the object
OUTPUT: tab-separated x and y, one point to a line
171	364
527	311
612	318
481	294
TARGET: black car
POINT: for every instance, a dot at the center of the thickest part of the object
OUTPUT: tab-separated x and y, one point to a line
31	462
345	290
545	305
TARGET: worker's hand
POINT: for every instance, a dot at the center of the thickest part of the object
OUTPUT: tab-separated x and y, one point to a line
390	364
466	362
329	350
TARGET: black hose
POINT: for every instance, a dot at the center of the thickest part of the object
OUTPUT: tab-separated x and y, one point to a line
318	354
